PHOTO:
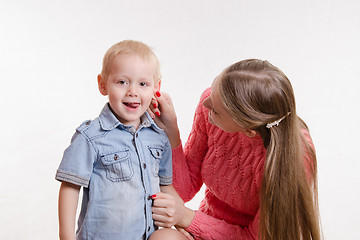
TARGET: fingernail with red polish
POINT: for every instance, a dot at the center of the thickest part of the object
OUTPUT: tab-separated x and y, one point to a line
157	114
155	105
153	196
158	93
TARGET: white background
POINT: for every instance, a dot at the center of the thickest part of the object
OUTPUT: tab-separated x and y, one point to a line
51	53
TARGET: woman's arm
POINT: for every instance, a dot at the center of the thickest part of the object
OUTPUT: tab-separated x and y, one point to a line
187	164
187	178
169	210
68	201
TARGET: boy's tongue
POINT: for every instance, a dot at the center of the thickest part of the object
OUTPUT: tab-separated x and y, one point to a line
132	105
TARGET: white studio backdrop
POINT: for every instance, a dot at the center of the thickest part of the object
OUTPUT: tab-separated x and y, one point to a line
51	53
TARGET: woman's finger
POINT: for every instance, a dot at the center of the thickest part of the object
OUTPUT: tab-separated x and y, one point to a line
163	219
160	203
164	202
166	210
186	233
164	101
153	108
164	225
161	195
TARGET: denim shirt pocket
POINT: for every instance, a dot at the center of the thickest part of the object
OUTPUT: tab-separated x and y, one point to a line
156	153
118	165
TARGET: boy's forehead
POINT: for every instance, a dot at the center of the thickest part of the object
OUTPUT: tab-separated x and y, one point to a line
122	56
117	62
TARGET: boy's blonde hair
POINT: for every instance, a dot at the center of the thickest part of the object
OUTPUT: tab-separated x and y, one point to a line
131	47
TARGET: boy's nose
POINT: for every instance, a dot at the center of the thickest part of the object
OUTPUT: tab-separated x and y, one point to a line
132	91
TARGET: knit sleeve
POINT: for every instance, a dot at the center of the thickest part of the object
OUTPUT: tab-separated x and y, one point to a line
187	161
207	227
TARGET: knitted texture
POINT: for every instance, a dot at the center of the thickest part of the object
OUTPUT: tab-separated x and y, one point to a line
231	166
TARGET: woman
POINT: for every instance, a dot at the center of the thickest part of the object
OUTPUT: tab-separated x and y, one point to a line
253	153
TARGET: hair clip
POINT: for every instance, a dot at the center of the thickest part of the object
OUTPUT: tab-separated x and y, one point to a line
270	125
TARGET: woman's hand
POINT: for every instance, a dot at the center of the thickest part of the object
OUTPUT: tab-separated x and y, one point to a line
169	210
163	108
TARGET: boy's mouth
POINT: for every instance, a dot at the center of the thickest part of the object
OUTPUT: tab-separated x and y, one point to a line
131	104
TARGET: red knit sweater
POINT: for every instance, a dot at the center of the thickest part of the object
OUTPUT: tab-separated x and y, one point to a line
231	167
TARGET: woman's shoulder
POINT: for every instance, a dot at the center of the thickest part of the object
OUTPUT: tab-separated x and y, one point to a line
201	112
307	137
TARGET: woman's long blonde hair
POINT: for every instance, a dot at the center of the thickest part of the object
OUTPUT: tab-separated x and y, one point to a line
256	93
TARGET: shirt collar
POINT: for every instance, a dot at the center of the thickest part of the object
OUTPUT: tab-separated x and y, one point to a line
108	120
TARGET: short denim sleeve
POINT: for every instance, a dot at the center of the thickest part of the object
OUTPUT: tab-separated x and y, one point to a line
77	163
165	167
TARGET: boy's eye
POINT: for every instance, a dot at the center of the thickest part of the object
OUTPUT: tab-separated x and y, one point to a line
122	82
143	84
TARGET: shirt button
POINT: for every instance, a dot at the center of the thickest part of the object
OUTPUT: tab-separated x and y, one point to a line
149	228
116	157
149	197
136	134
88	122
144	165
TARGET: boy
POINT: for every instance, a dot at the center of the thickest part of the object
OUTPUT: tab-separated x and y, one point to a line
120	158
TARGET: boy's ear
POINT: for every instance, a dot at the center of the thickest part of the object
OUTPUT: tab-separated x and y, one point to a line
157	86
102	85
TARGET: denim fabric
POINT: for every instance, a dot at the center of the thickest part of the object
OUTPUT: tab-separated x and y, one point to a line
119	168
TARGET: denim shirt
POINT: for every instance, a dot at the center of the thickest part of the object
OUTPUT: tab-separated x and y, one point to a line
119	168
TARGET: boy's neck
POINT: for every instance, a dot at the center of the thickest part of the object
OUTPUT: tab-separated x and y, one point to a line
138	122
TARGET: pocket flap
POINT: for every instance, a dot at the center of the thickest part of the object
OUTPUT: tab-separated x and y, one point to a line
156	152
115	157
